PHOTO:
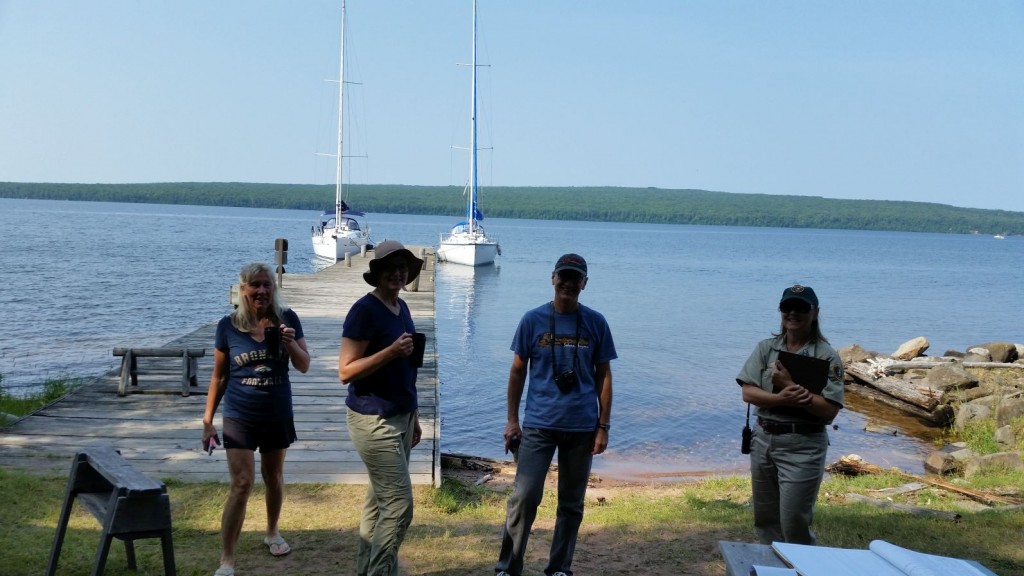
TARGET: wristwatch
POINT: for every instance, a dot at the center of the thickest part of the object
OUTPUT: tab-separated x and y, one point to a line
605	427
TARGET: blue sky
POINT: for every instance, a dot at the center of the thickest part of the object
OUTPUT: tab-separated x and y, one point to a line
909	100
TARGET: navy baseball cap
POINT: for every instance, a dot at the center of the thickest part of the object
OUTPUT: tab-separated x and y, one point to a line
798	292
573	262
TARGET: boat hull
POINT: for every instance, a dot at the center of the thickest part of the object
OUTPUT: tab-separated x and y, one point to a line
467	251
334	246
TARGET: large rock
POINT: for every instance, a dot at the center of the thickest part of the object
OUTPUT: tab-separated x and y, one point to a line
1004	436
978	354
1009	410
950	375
1000	351
854	353
970	412
912	348
962	455
994	462
939	462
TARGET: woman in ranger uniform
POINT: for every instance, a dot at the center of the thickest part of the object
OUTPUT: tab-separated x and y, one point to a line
790	442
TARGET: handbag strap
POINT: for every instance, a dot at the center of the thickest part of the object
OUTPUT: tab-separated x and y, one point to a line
748	414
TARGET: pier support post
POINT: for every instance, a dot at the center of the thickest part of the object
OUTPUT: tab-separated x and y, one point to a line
414	286
280	258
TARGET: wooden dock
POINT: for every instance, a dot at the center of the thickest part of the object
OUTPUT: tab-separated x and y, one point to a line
159	431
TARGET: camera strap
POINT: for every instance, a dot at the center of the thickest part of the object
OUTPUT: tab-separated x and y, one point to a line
575	351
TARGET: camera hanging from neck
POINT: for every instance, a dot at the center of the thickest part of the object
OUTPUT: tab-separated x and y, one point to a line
575	351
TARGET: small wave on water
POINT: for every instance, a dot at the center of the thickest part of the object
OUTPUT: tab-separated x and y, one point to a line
686	305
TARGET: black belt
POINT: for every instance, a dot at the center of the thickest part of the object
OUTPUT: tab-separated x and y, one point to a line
771	427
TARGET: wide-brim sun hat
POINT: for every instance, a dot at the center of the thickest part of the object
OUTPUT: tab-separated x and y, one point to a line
390	250
798	292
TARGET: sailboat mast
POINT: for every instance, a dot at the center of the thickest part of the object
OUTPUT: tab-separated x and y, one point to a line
341	108
472	211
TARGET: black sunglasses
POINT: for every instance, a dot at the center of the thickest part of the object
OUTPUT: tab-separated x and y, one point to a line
570	276
794	305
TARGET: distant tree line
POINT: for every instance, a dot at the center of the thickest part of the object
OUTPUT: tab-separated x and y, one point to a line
604	204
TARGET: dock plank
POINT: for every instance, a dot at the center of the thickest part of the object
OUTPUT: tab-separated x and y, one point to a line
158	430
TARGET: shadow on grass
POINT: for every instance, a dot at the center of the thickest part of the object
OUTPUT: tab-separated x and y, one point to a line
457	529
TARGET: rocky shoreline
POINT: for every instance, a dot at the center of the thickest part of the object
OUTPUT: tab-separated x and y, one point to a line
984	382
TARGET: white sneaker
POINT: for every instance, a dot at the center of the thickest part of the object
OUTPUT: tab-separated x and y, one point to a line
502	573
559	574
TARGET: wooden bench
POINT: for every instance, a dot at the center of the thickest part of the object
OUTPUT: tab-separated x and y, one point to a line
740	556
128	505
129	365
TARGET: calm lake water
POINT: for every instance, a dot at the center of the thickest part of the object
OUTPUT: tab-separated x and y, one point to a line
686	305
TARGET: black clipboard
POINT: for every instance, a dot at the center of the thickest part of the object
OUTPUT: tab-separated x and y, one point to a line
807	371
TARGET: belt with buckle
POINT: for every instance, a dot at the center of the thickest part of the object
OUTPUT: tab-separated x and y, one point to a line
771	427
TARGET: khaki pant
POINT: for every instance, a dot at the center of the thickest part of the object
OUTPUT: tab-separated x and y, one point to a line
785	475
384	444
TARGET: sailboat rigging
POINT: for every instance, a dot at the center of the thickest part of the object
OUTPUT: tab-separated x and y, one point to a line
340	232
467	243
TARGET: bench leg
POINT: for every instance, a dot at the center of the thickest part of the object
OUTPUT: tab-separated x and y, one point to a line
126	362
129	551
135	370
101	555
168	548
62	526
65	515
185	365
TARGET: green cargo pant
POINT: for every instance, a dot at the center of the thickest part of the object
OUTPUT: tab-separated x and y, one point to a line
384	444
785	475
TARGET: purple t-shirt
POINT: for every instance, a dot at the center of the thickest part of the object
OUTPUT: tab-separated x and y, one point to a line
391	389
258	387
575	410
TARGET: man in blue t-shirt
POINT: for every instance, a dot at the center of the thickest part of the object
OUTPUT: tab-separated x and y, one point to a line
567	349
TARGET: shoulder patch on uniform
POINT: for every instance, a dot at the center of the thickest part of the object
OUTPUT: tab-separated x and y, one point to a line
837	371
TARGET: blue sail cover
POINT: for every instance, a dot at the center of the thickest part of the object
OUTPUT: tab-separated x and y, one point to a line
463	226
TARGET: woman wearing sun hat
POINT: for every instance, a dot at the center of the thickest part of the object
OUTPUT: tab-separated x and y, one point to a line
374	362
790	442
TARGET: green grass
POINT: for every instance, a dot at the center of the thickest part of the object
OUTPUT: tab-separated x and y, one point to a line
654	529
662	529
53	389
979	435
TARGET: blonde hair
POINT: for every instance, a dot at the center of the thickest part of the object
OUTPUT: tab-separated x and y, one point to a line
244	317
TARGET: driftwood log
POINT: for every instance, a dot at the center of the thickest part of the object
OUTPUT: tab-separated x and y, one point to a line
853	465
920	396
983	497
941	416
904	365
915	510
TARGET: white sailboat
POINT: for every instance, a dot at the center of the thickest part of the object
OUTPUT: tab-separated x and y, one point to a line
341	231
467	243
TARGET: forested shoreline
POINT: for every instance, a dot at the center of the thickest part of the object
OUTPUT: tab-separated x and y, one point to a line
606	204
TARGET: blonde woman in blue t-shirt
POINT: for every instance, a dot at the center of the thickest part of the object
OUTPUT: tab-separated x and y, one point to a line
253	347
